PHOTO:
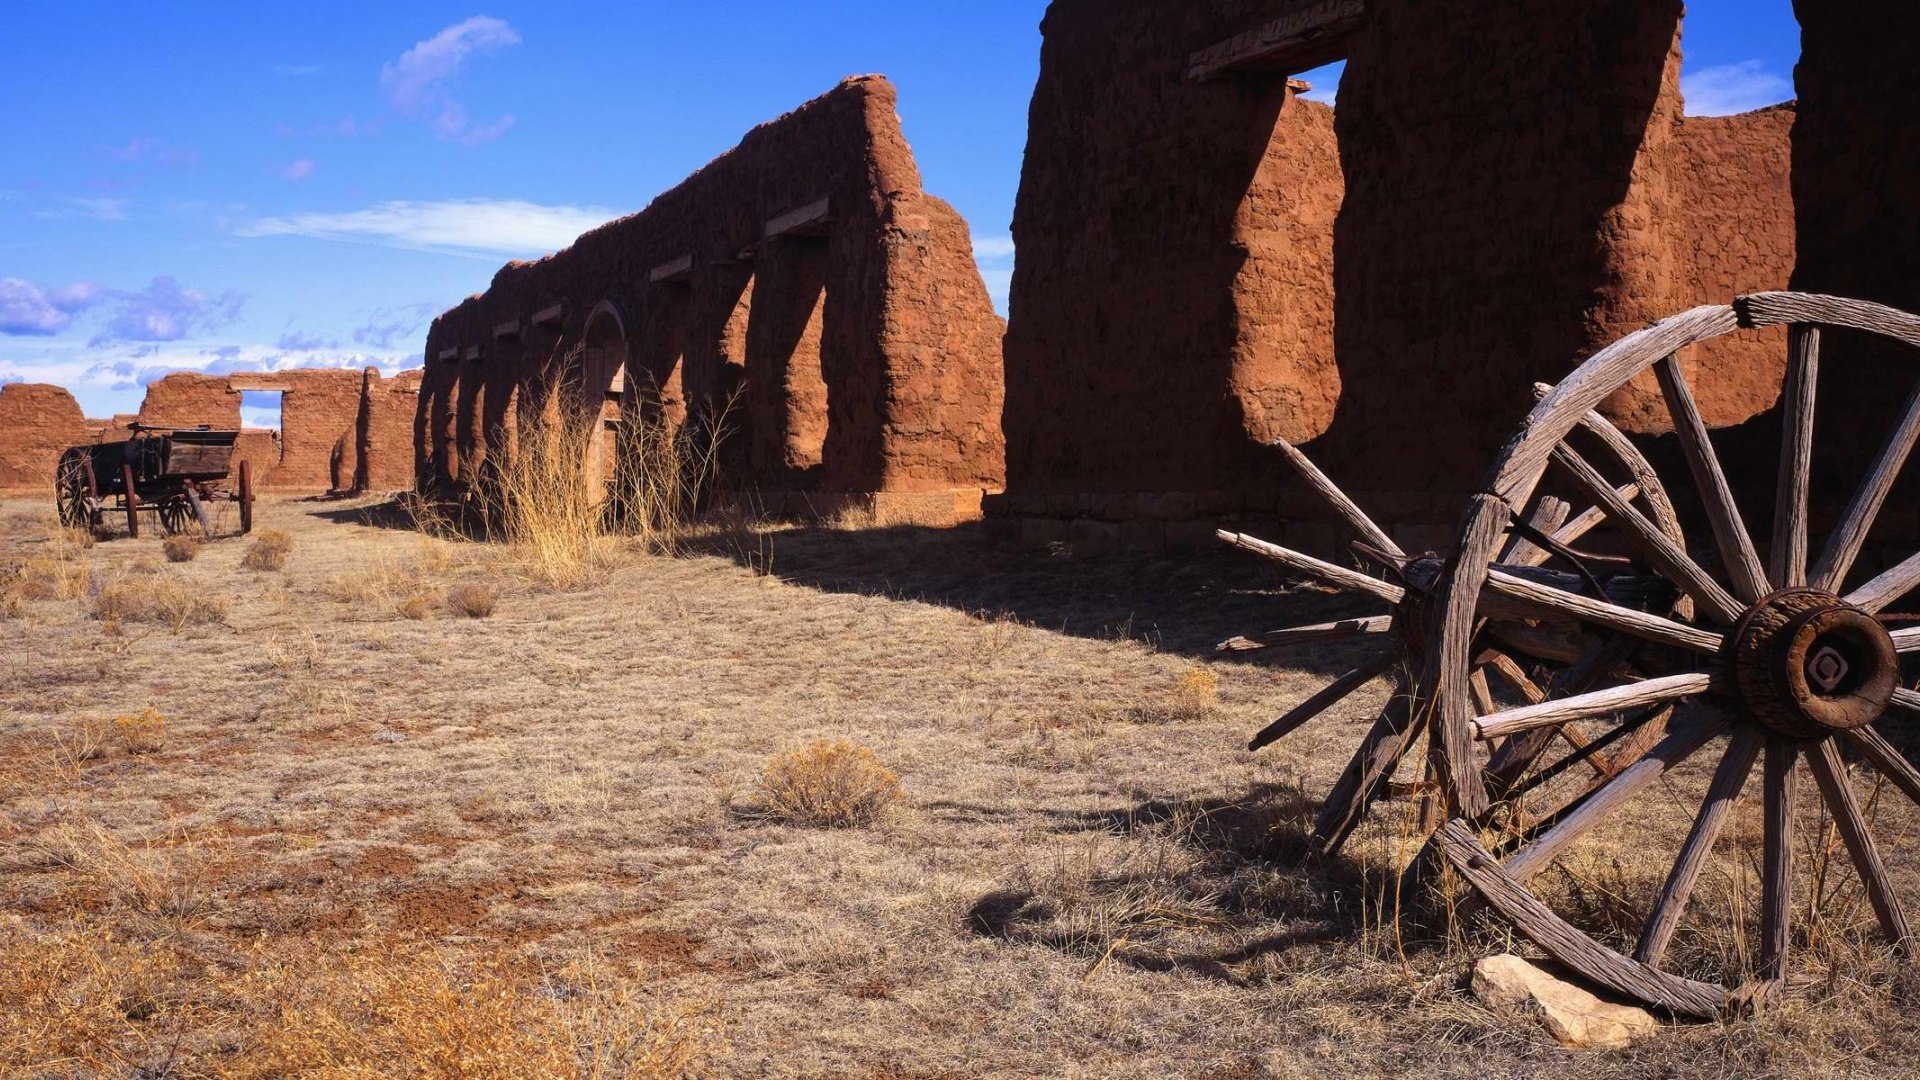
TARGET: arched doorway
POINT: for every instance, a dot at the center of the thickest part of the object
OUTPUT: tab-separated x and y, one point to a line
604	358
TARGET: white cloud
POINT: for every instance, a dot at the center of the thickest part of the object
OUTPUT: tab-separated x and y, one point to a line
1726	89
417	83
492	226
297	170
27	309
163	311
98	209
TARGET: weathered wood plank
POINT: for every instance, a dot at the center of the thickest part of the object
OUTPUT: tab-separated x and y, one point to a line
1731	775
1455	606
1330	492
1313	633
1788	559
1592	705
1730	533
1641	624
1321	700
1776	862
1623	975
1329	573
1845	543
1304	39
1830	773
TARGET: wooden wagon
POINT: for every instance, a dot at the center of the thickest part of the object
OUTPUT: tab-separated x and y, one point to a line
1587	646
173	474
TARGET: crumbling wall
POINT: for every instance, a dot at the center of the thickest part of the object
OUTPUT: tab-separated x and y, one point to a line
1515	186
907	341
1172	300
37	422
1856	185
386	430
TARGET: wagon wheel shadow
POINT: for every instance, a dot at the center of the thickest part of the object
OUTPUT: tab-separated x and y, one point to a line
1244	872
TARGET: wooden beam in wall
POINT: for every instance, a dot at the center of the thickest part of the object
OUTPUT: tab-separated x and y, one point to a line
473	354
507	331
1313	35
449	354
550	316
809	220
677	270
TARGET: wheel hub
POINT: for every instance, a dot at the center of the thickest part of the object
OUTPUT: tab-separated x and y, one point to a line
1808	663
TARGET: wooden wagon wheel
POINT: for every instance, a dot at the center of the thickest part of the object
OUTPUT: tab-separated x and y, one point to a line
75	490
245	497
1527	651
1778	664
175	515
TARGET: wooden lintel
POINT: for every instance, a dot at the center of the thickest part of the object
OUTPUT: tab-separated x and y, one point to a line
507	331
473	353
811	219
1314	35
677	270
449	354
549	316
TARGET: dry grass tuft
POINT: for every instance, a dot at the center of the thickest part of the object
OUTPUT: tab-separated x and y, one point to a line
269	551
51	578
829	783
472	599
144	732
163	599
181	547
413	607
1193	697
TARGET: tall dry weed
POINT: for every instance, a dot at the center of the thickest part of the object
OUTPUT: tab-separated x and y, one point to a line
829	783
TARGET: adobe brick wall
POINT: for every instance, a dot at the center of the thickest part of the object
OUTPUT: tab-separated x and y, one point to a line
340	430
1172	298
884	299
37	422
1513	189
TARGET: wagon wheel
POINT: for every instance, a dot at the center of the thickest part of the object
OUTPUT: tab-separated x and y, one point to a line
245	497
74	491
175	516
1528	657
1781	665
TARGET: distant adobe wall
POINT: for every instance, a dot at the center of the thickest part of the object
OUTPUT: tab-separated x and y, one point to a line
1172	303
341	430
804	275
1515	186
37	422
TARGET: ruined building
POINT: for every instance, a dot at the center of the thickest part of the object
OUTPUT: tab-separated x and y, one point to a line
1207	260
803	277
340	430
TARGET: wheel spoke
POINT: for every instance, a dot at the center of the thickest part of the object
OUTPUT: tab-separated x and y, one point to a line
1776	881
1882	755
1329	573
1366	772
1580	525
1831	774
1788	563
1844	546
1548	516
1907	701
1327	696
1592	705
1906	639
1728	779
1338	630
1692	733
1348	510
1875	595
1729	531
1630	621
1660	549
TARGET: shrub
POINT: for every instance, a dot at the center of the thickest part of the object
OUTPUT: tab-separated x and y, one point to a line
414	606
144	732
269	551
51	579
181	547
471	599
162	599
829	783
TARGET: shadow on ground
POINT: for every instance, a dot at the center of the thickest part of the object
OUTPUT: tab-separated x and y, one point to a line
1183	603
1238	893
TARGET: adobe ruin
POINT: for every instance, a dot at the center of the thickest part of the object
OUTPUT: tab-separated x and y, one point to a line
1208	260
804	276
341	430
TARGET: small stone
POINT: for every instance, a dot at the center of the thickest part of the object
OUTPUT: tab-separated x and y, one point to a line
1573	1016
390	737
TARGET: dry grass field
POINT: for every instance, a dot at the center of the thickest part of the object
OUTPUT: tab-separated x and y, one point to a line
364	803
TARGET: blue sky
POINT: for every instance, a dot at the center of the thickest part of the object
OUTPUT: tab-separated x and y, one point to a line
244	186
